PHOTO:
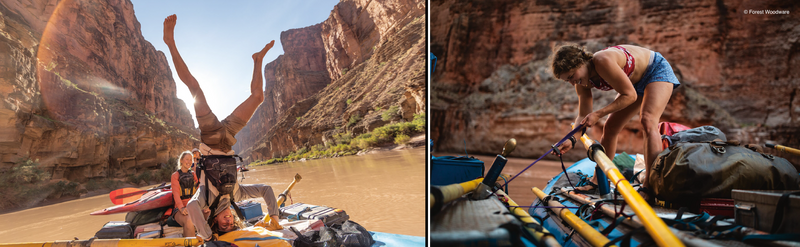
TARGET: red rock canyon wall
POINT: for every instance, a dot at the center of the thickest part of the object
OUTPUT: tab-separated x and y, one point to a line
492	83
84	93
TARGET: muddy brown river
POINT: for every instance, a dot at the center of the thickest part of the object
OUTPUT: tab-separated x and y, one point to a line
383	192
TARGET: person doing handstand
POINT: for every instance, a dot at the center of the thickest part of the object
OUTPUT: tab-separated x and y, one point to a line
217	137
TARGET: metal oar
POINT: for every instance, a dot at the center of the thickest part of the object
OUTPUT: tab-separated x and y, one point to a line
113	242
441	195
281	199
591	235
282	196
634	222
656	227
783	148
543	237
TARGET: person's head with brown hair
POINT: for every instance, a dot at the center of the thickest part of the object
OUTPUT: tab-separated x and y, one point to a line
225	219
569	62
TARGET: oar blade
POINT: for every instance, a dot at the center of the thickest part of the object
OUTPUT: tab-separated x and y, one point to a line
125	195
126	200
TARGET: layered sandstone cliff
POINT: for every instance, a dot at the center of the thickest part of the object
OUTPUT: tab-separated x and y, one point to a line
297	74
84	93
492	82
370	53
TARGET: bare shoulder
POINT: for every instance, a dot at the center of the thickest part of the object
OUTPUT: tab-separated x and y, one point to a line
603	54
607	58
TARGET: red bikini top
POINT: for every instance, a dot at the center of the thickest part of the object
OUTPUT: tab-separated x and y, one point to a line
628	69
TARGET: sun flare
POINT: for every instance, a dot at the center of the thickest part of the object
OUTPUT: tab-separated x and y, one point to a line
186	96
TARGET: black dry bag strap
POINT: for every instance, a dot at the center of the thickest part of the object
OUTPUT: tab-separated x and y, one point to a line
200	171
206	189
236	208
212	207
779	208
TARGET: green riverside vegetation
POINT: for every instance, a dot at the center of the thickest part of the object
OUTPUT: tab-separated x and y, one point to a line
345	144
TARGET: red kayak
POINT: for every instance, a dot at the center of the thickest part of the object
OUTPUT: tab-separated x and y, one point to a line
150	200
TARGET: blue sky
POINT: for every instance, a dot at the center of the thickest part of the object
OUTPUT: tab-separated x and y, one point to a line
217	38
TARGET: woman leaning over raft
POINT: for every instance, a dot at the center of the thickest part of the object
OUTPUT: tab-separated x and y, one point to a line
184	184
643	80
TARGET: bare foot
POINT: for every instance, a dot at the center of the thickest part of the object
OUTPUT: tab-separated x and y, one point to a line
589	186
169	29
260	55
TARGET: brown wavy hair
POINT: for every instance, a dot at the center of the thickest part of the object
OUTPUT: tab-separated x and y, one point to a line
237	222
568	57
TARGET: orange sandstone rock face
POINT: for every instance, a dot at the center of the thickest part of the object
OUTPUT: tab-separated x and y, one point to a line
355	28
84	93
296	75
367	55
492	80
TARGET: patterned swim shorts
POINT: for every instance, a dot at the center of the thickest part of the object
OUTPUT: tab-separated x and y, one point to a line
658	70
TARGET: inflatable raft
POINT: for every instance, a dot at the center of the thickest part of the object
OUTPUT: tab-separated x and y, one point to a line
619	224
150	200
301	217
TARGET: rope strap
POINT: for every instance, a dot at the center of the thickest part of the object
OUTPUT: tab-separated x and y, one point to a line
571	133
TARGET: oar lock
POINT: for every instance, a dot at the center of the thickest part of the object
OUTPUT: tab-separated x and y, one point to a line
593	149
484	189
482	192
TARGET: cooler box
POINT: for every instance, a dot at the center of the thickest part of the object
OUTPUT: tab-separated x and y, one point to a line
302	211
757	208
446	170
250	209
115	229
